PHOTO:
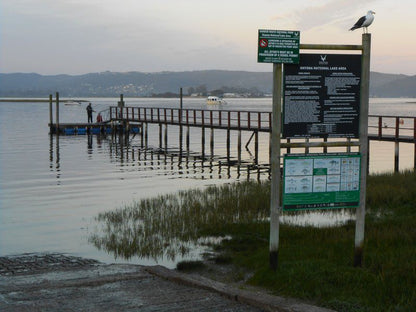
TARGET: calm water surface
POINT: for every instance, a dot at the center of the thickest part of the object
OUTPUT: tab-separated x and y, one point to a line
51	189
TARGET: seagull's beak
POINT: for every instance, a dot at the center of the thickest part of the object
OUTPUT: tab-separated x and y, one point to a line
373	12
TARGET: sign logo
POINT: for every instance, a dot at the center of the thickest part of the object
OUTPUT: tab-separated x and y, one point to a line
263	43
323	60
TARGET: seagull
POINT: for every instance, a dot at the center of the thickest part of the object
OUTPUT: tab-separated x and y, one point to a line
364	21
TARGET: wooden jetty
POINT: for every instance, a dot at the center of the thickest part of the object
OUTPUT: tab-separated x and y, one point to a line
107	126
397	129
123	119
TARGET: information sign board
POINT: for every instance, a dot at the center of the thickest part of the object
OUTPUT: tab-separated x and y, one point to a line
322	96
278	46
321	181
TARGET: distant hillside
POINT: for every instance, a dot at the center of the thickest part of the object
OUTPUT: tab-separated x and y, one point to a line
148	84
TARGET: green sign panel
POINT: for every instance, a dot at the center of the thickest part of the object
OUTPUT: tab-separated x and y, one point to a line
321	181
278	46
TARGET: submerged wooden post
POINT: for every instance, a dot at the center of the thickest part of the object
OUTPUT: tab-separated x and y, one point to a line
396	156
57	113
203	142
256	147
160	135
239	147
166	137
228	144
211	143
414	145
187	139
275	165
146	135
364	98
180	123
50	113
396	146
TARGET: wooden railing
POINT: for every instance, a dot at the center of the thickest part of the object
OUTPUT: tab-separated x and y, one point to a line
392	128
224	119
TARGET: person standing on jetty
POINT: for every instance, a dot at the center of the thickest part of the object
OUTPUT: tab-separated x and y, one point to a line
89	112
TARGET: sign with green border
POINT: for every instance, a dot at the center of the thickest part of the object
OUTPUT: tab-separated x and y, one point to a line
321	181
278	46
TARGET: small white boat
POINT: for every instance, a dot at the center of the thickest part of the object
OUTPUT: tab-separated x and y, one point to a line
212	100
72	103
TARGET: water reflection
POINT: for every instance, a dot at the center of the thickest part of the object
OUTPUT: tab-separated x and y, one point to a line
171	226
174	162
54	152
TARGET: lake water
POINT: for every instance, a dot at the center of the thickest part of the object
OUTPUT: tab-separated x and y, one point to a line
52	188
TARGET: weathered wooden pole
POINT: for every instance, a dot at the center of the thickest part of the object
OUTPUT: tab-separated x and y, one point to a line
228	144
211	143
57	113
275	165
121	102
160	136
239	148
146	134
364	99
50	113
141	135
180	123
203	142
396	156
256	147
187	140
414	145
166	137
396	145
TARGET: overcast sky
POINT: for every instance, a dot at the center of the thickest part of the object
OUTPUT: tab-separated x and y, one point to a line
83	36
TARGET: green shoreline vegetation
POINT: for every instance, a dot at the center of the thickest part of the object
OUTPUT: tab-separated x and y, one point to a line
315	263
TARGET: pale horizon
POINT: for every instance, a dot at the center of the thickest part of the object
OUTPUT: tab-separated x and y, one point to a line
76	37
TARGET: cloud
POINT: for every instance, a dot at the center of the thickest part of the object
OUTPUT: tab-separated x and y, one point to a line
330	12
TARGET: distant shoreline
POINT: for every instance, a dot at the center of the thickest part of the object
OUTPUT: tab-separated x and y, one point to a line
25	100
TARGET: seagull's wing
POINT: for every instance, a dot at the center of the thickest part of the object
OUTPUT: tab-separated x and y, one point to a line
359	23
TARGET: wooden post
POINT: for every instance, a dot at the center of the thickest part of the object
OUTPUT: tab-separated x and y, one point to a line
166	137
414	145
203	142
380	127
146	135
180	124
288	150
187	139
50	113
160	136
211	143
239	148
228	144
364	99
275	166
121	102
141	135
396	156
396	146
57	114
256	147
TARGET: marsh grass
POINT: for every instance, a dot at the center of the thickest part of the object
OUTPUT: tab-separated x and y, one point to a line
170	225
315	263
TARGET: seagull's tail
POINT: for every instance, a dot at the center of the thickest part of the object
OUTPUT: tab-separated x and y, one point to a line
354	27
